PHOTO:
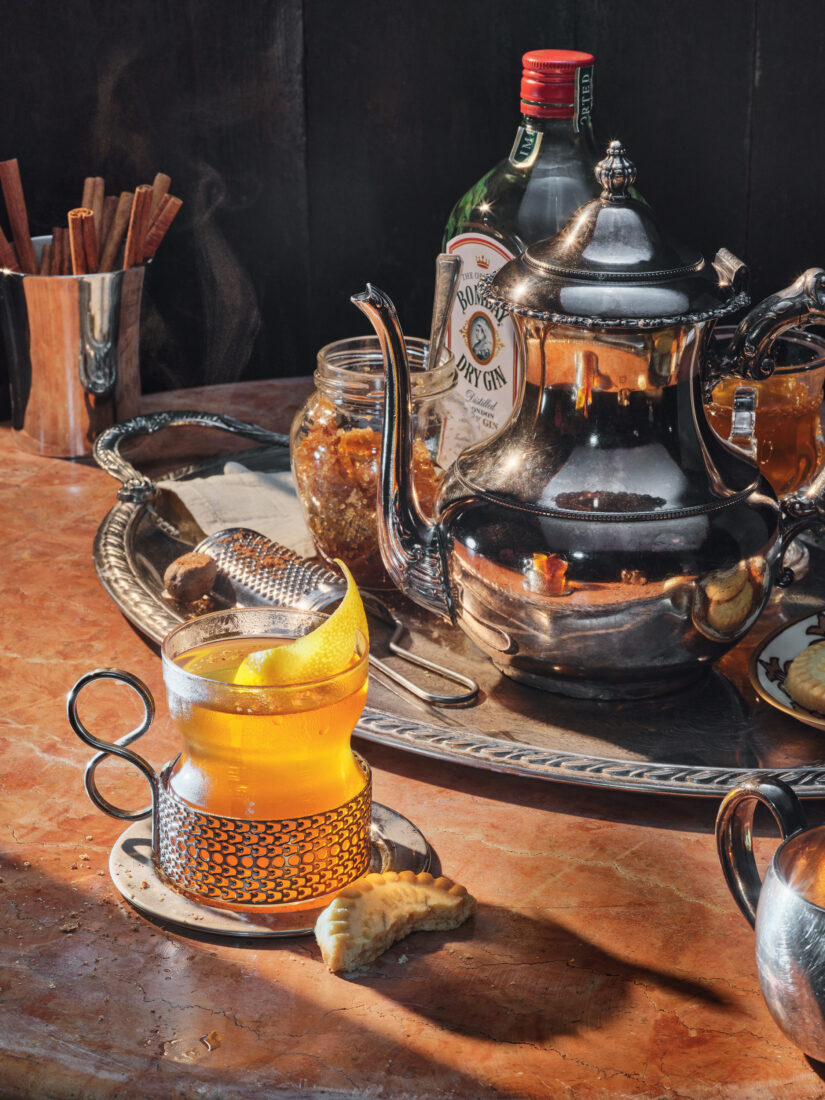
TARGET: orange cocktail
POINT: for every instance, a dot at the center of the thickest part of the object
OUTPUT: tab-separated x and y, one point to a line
264	752
782	426
787	426
267	774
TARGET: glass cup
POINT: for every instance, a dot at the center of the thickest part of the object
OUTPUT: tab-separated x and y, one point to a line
777	420
267	805
259	752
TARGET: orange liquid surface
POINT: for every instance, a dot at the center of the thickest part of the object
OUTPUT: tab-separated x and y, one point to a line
789	446
261	754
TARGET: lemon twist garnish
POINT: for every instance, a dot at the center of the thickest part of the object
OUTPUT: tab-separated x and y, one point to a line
315	656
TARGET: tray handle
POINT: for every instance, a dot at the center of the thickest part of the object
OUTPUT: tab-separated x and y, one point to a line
136	488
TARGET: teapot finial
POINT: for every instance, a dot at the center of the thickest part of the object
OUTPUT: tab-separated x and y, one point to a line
615	173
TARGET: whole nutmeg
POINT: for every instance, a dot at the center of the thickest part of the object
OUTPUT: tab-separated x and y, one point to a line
190	576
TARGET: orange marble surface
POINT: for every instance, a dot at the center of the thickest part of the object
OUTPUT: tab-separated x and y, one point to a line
606	958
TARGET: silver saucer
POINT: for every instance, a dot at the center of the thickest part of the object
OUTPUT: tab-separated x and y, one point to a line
397	845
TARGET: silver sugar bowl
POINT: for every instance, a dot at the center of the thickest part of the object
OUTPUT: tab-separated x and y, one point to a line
787	910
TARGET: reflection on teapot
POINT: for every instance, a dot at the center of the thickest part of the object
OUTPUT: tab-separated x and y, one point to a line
727	602
604	542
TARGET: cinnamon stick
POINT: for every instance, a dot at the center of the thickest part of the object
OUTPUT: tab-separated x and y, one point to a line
88	192
46	260
65	252
160	188
117	230
98	191
90	242
57	250
8	260
138	226
18	216
109	208
167	211
82	241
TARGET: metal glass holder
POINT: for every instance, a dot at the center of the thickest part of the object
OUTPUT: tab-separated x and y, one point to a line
249	863
273	874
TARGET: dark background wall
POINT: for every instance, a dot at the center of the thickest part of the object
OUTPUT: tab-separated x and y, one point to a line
321	143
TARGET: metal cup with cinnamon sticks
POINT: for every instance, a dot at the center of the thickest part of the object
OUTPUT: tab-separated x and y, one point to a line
71	311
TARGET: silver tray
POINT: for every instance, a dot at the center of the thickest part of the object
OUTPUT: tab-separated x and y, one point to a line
698	742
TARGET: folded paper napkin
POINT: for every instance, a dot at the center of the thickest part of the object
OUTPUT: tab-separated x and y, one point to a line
240	497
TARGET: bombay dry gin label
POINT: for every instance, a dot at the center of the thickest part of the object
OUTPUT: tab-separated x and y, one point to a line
483	341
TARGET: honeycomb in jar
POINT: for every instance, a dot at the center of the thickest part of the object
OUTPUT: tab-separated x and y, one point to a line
336	471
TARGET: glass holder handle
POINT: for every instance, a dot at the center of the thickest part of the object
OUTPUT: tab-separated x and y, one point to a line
117	748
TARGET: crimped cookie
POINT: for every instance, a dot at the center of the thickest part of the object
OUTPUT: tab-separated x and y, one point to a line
374	912
805	681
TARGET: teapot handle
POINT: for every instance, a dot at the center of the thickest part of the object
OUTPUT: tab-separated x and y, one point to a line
749	352
734	833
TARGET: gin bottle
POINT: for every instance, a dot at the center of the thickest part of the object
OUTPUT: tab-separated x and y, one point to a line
528	196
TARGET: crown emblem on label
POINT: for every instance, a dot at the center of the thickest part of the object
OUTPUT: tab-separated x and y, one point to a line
482	262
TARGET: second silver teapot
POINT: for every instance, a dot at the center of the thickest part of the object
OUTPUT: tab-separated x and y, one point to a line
604	543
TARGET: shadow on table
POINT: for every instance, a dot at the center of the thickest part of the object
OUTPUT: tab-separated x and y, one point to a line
565	983
106	1003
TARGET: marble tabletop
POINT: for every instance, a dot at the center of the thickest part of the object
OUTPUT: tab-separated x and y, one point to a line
606	958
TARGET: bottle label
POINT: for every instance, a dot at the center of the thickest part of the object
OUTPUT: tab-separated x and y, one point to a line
584	95
525	147
483	341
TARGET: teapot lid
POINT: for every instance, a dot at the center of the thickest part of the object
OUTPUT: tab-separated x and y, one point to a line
613	265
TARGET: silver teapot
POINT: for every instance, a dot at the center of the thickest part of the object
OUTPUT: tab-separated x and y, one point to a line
605	542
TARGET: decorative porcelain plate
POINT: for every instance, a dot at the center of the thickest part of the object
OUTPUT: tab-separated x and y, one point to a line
771	659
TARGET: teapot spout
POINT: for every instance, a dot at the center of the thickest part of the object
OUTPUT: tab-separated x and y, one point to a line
412	548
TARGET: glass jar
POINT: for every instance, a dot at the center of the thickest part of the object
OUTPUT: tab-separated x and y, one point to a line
335	447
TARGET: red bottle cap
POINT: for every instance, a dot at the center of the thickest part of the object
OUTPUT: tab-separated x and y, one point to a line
548	82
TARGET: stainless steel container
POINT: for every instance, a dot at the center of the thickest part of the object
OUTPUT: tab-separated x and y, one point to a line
71	343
